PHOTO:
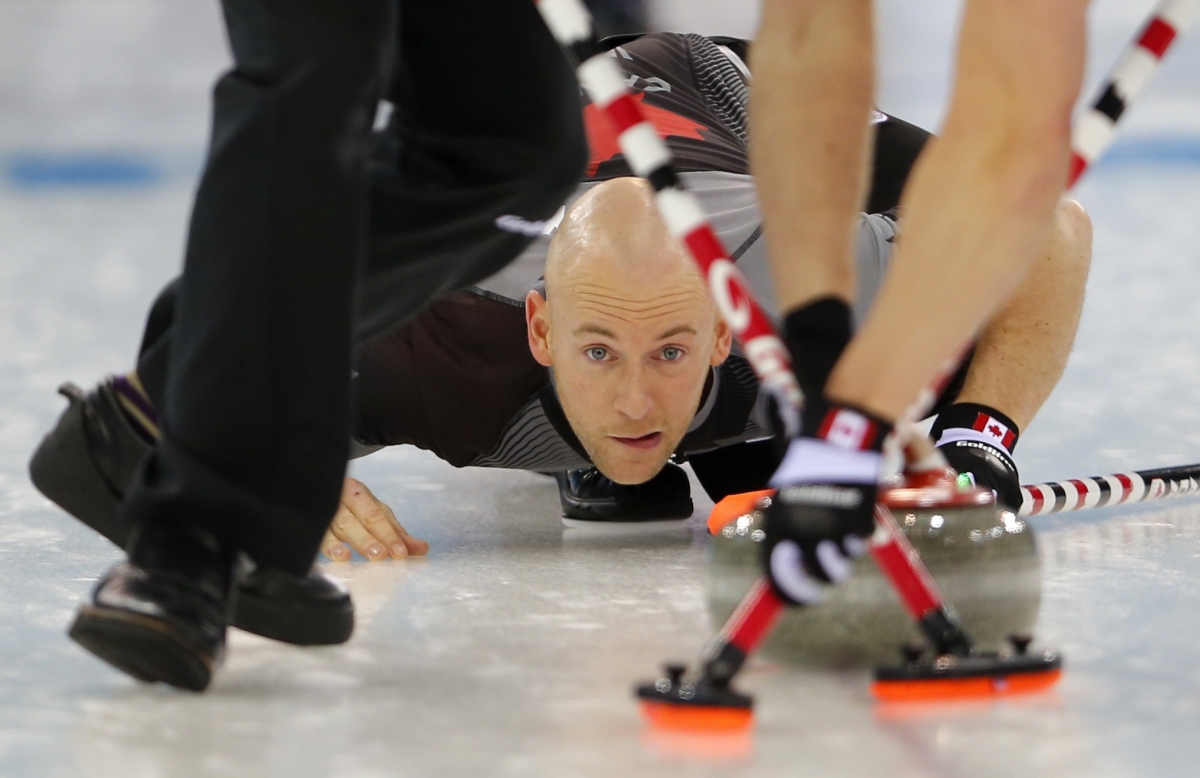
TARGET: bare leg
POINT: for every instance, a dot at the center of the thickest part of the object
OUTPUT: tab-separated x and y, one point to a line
981	200
814	72
1024	349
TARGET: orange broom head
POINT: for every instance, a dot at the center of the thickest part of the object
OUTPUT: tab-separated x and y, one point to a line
732	507
696	718
934	689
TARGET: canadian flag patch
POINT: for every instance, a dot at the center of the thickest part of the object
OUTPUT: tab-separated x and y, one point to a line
994	431
847	429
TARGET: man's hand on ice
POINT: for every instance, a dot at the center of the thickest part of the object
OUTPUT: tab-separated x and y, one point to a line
369	527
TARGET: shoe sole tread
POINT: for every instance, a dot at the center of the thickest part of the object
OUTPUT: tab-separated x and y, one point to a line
142	647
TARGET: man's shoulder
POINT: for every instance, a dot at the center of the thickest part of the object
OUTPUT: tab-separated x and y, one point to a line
694	93
680	41
448	381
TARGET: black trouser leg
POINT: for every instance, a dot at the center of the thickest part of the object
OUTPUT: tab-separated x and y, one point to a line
487	124
256	400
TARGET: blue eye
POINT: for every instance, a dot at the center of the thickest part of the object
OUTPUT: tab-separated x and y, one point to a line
672	354
597	353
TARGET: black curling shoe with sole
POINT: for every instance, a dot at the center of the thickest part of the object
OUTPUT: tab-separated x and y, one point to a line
143	648
84	466
588	495
161	616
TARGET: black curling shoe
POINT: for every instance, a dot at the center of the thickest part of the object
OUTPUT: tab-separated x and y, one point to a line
311	610
161	616
589	496
85	464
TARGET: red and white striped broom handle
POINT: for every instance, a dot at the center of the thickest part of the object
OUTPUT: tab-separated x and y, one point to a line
1098	491
1094	129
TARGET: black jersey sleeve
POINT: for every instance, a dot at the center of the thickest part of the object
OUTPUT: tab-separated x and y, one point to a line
448	380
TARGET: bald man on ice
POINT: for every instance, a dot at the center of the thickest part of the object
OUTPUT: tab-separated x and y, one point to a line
628	328
598	357
616	361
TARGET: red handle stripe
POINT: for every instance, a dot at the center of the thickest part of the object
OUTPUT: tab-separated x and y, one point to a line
754	618
1095	129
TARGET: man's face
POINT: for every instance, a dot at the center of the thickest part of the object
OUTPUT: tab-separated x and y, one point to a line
631	353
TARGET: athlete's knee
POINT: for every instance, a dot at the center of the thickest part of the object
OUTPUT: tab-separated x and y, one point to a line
1074	228
1024	162
1074	220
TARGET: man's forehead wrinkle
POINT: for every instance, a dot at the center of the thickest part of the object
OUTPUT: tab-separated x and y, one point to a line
679	302
652	310
607	313
638	294
645	324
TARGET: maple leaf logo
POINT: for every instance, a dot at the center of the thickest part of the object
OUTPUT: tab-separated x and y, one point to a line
602	140
995	430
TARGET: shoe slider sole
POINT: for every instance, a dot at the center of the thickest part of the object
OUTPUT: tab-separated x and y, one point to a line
143	647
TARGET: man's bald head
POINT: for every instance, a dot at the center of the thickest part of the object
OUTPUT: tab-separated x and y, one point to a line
615	230
629	328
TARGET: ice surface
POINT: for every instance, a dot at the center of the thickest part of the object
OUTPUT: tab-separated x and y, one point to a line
511	650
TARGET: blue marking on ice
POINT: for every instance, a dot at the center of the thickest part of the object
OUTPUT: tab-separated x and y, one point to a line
80	169
1154	150
131	169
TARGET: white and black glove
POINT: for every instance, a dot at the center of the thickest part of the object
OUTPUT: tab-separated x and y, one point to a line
824	510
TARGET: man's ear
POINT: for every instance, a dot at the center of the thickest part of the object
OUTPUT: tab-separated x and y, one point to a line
537	326
724	342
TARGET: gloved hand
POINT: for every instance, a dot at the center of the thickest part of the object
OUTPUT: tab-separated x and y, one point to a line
824	509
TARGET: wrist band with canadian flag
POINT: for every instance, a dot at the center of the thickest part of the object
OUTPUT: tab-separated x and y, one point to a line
975	423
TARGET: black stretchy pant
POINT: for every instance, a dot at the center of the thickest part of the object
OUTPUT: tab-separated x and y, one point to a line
309	233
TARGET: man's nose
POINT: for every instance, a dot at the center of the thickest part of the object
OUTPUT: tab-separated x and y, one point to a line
633	398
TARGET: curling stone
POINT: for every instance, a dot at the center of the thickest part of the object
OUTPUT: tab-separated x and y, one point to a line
984	560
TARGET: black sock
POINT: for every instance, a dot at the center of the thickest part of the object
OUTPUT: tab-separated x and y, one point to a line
817	334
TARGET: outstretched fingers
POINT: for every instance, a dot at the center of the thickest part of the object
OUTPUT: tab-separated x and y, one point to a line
369	526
